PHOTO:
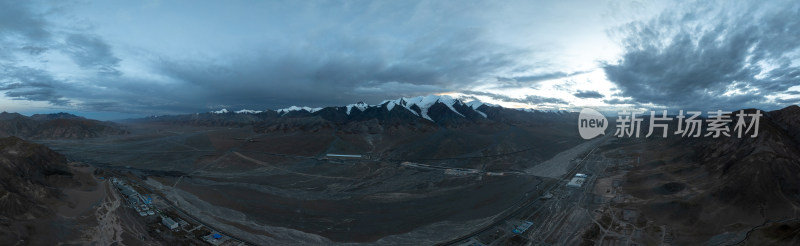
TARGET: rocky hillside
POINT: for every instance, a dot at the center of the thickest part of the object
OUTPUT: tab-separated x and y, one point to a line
29	176
789	120
36	207
704	187
55	126
761	173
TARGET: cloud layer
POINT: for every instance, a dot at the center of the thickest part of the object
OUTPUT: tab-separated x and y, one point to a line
330	55
191	56
701	55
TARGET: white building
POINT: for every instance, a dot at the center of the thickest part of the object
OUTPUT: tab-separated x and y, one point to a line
343	156
169	223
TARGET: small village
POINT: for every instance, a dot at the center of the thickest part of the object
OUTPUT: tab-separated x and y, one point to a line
164	219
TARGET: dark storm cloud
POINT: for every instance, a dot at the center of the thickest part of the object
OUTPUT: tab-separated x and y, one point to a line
789	101
20	29
24	83
541	77
38	94
588	94
525	81
619	101
691	57
89	51
342	75
530	99
18	19
331	55
23	31
34	50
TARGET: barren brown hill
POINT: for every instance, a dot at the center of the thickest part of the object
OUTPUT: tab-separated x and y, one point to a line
705	187
30	180
55	126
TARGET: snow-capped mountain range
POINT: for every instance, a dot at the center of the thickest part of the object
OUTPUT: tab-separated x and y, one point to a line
418	106
411	112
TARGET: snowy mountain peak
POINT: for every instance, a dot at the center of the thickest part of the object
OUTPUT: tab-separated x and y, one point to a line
475	104
248	111
296	108
425	102
221	111
360	106
418	106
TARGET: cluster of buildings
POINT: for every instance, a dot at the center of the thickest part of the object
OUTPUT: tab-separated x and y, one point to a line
141	203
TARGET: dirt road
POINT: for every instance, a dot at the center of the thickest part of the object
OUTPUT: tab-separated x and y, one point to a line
560	164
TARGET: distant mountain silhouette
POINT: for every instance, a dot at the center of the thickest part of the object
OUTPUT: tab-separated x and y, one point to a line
55	126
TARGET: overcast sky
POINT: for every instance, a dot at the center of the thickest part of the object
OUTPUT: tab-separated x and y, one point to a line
118	59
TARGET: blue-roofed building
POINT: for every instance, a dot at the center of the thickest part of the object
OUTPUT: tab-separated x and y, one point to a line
522	227
215	238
